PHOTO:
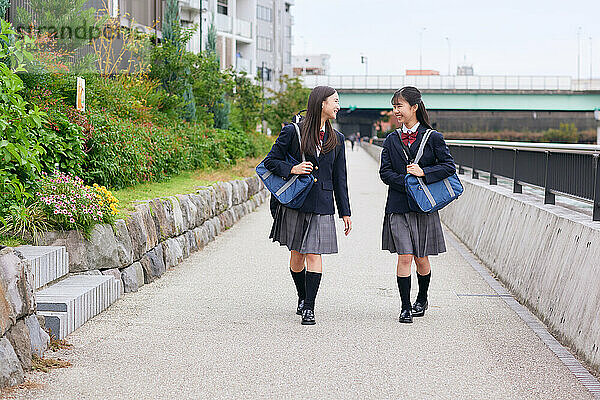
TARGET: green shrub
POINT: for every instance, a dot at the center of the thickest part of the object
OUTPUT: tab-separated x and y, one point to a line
286	103
566	133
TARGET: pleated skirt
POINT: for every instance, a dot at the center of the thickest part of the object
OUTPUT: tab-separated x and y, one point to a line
306	233
413	233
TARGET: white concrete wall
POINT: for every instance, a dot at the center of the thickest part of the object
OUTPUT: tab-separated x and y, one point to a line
546	255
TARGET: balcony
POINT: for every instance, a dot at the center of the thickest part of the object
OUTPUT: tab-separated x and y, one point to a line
190	4
243	65
224	23
243	28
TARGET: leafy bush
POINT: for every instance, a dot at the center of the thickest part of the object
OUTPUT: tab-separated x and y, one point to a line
247	101
566	133
286	103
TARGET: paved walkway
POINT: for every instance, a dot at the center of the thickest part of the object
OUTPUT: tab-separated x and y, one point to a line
222	325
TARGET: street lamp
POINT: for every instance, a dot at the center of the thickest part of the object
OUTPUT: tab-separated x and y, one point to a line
365	60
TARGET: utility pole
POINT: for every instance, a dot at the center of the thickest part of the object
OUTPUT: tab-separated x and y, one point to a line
449	56
200	26
578	56
262	108
421	50
591	61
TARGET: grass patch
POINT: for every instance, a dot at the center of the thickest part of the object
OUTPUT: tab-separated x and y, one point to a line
47	364
184	183
57	344
11	241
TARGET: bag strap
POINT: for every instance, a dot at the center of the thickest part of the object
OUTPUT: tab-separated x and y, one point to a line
299	140
422	145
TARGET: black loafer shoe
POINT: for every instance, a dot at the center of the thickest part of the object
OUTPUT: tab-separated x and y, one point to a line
418	309
406	317
308	317
300	307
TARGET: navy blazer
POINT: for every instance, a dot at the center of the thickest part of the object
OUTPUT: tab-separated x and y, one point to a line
329	172
436	162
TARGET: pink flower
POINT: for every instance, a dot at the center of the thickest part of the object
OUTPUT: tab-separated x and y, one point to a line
71	220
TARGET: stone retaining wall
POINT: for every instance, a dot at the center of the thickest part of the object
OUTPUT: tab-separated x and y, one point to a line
21	335
161	233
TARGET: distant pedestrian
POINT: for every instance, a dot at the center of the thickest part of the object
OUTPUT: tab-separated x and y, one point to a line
309	232
352	139
410	234
358	138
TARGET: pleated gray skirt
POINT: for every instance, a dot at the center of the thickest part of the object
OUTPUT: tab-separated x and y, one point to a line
305	233
413	233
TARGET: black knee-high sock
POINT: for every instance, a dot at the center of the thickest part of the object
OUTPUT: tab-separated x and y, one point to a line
300	282
423	286
313	279
404	288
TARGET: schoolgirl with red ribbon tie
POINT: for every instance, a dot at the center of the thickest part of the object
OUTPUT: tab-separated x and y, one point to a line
309	232
409	234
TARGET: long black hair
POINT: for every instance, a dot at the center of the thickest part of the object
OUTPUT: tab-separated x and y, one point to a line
412	96
311	123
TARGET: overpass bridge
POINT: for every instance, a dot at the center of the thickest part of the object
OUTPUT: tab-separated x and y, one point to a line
459	103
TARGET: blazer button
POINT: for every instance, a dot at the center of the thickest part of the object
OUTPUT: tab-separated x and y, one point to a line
316	167
315	179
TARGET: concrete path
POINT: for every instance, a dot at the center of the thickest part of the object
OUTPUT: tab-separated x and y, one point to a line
222	325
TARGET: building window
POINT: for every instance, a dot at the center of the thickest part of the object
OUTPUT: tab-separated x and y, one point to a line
264	13
287	7
222	7
267	74
288	57
265	43
288	31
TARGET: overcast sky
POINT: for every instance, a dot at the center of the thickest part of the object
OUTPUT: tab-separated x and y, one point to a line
508	37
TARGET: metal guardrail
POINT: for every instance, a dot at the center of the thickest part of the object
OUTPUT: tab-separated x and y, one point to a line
558	169
452	82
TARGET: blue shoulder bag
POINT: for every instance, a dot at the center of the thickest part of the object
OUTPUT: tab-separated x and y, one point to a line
427	198
292	192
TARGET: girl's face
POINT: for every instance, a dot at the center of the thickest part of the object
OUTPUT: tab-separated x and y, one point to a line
404	112
331	106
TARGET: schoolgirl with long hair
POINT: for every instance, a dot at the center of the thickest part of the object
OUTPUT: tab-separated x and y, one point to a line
309	232
409	234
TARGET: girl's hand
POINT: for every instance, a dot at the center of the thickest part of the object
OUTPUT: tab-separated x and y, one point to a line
304	168
415	170
347	225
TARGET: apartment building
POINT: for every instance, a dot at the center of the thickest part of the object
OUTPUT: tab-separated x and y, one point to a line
252	35
274	40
